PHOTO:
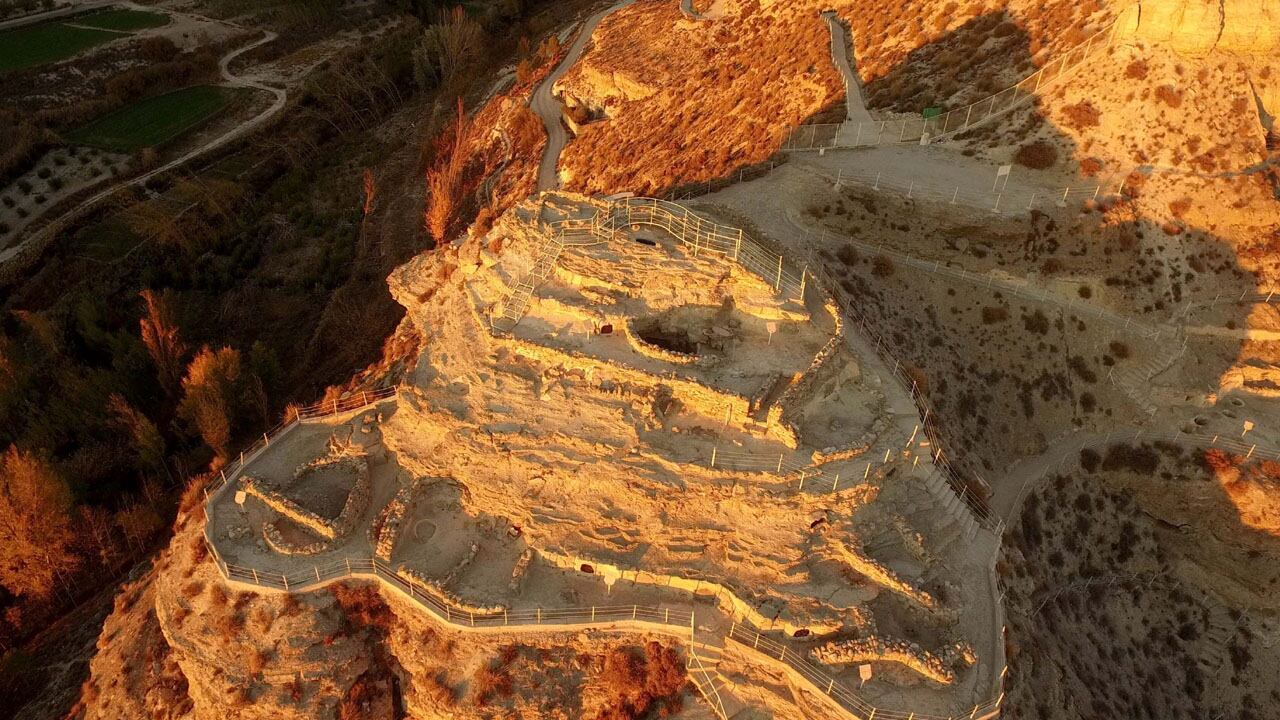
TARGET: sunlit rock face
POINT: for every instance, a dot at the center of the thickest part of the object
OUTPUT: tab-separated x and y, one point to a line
1197	27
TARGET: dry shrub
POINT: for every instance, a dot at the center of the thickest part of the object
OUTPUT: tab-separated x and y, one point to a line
489	683
1037	155
229	626
642	683
882	266
1180	207
1082	115
1169	95
290	605
1119	350
217	594
256	661
992	315
1136	459
1133	184
1090	167
1137	70
192	589
362	607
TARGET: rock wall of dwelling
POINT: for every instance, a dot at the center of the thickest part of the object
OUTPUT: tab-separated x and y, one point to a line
696	397
728	600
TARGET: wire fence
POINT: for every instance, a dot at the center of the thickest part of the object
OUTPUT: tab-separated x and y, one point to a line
706	236
1244	448
1000	199
923	130
929	422
672	620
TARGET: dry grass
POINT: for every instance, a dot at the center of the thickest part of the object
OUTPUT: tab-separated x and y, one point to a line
642	682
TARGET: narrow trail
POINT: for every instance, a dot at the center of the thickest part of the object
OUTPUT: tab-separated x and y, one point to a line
35	243
73	9
841	55
549	108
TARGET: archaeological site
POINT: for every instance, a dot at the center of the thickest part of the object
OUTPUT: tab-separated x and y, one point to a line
700	359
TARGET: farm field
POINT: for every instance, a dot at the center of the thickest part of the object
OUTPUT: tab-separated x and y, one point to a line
122	20
155	120
53	41
40	44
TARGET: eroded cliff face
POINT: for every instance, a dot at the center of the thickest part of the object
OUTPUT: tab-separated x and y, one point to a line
1198	27
184	644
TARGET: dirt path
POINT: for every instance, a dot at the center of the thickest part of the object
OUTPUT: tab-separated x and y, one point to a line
34	244
549	108
841	55
71	9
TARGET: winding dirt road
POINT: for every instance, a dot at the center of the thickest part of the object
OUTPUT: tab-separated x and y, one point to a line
549	108
13	259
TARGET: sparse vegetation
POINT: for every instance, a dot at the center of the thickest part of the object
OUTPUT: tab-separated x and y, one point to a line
1037	155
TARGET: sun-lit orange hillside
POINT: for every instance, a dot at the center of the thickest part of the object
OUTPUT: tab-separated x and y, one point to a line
685	100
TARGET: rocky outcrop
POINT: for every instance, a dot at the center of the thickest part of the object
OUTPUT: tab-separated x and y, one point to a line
1197	27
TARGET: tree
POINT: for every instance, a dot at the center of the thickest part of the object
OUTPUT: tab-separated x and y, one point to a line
139	522
210	390
35	524
446	179
447	49
147	440
370	191
159	328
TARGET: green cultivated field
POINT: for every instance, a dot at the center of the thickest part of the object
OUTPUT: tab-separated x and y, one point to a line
40	44
53	41
122	20
153	121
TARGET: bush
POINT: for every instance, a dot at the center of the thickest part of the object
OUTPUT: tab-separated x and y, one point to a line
882	266
1169	95
848	255
1036	155
1036	322
993	315
1142	460
1082	115
1137	70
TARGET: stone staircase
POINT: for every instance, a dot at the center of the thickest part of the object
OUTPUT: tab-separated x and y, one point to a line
964	523
1135	381
1213	643
715	688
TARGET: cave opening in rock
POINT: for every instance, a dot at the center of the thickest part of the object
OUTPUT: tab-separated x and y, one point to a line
668	337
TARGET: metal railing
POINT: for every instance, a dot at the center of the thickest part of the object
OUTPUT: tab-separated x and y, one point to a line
667	619
319	410
704	236
999	200
707	685
928	418
922	130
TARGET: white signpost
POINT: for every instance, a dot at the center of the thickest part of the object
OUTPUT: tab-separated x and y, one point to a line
1001	174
